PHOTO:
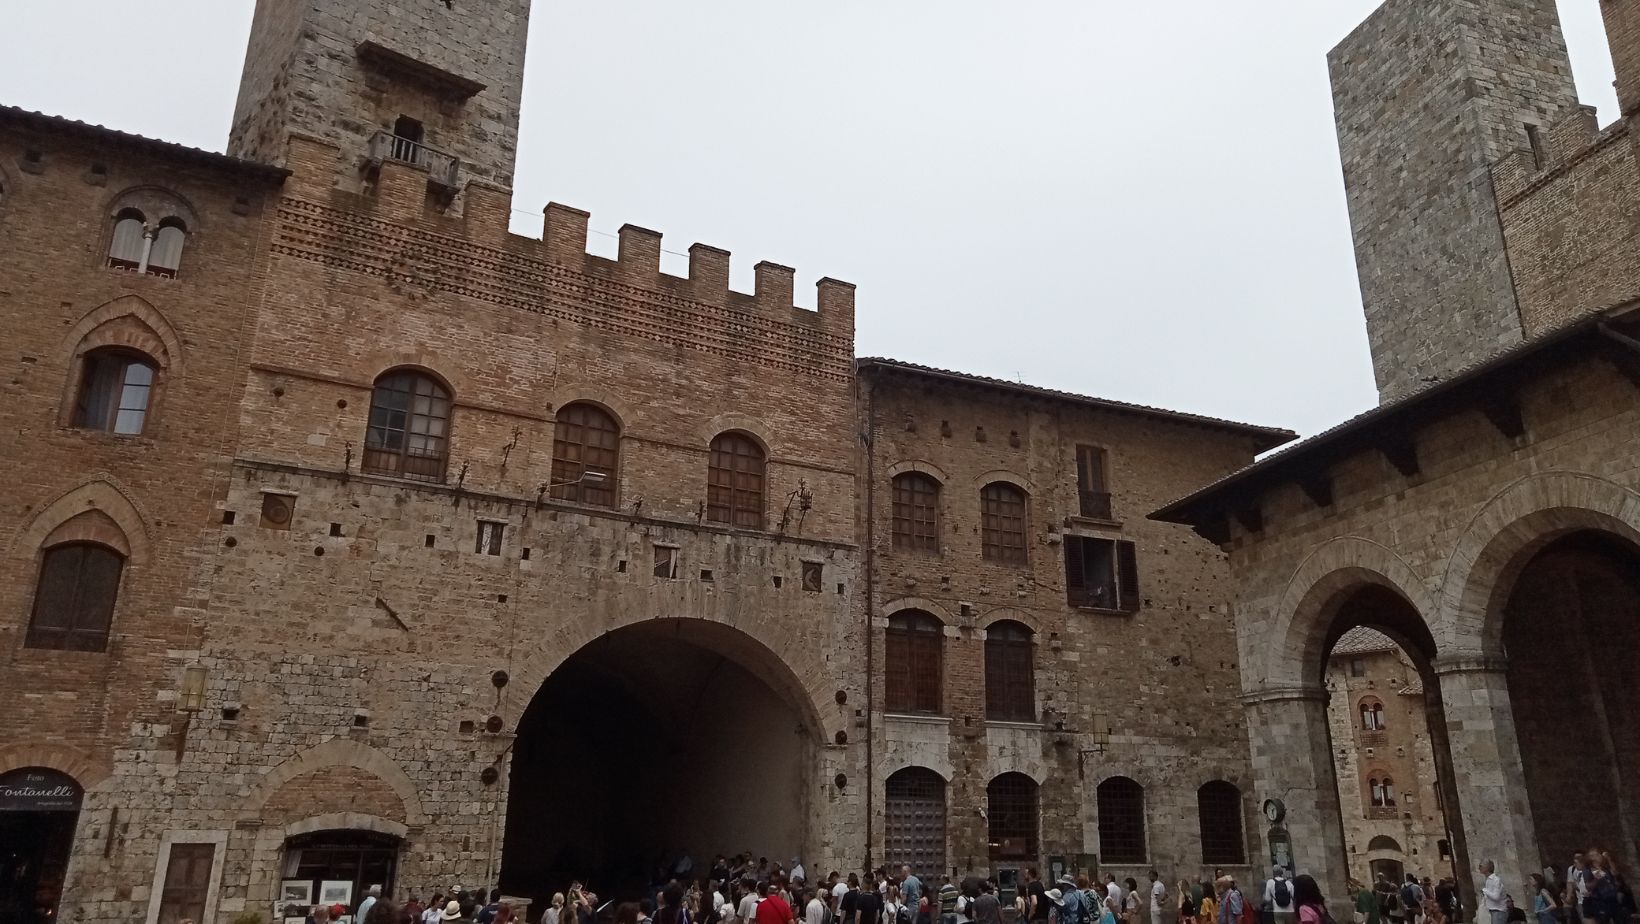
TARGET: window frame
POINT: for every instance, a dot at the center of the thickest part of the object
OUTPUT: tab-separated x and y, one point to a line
1123	570
1223	830
914	664
112	391
397	462
1120	803
93	636
914	513
1093	495
586	438
1013	797
1005	524
1010	672
737	481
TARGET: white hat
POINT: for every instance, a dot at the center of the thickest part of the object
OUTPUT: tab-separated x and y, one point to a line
1056	896
451	912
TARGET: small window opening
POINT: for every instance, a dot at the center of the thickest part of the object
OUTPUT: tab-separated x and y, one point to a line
335	529
429	540
812	576
706	575
620	566
1534	138
489	537
466	727
361	720
525	554
778	580
230	713
227	517
666	562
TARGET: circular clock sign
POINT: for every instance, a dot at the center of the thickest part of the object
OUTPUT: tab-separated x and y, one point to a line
1274	810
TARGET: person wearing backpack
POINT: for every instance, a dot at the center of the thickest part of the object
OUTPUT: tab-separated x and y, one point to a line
1072	902
1311	907
1278	897
1232	906
1412	898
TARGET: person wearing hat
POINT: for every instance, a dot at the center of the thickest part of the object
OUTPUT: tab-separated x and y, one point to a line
1072	903
452	912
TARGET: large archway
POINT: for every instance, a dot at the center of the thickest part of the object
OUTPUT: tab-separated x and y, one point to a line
1571	632
659	740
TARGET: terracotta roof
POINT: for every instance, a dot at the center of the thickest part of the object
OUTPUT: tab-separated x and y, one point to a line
1268	436
1362	640
1414	687
41	121
1397	419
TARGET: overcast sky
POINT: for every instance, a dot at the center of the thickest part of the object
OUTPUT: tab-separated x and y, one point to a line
1136	200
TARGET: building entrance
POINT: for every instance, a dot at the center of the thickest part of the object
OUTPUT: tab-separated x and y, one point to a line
38	811
664	740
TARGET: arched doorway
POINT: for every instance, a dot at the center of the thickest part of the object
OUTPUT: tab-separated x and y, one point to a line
914	820
336	867
662	740
1571	633
1387	737
38	810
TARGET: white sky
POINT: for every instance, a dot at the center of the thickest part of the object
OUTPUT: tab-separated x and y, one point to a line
1136	200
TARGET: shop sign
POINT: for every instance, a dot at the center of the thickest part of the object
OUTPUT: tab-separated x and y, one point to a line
35	789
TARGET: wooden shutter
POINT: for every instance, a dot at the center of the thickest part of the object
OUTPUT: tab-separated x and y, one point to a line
1092	491
1127	577
187	881
1076	581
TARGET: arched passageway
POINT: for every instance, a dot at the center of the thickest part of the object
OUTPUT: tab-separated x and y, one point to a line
39	808
666	738
1571	632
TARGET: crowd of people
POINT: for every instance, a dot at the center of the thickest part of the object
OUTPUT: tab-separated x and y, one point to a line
741	890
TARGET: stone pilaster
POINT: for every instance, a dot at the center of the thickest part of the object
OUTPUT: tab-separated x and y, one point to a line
1292	761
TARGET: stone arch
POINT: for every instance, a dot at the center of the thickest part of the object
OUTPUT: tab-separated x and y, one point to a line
346	821
337	752
156	203
1009	614
918	465
1505	534
85	769
1304	614
770	655
754	427
931	607
103	497
942	769
128	321
431	371
1017	480
1018	761
609	404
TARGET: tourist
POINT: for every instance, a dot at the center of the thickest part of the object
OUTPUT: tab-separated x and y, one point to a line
773	909
797	872
1109	911
815	911
987	910
911	888
1412	899
555	909
949	894
371	896
1115	890
435	907
626	913
451	912
1446	896
1207	910
320	914
1232	905
1492	897
868	907
1036	896
1278	897
1189	905
1130	901
840	887
1311	907
1543	899
1158	898
894	906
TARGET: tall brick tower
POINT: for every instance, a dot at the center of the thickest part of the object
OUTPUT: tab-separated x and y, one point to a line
432	82
1428	95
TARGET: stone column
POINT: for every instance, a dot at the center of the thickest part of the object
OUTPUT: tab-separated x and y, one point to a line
1292	761
1493	811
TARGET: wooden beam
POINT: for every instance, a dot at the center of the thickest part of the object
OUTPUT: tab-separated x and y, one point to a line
1504	413
1319	489
1402	454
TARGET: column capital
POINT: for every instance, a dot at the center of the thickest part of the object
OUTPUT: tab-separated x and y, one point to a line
1469	662
1283	693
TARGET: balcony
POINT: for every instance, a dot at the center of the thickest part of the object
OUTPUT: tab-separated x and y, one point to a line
441	167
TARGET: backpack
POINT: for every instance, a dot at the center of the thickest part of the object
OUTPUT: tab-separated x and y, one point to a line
1283	893
1409	895
1071	911
902	916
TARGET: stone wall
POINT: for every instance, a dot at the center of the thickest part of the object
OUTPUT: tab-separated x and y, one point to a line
1428	95
1145	696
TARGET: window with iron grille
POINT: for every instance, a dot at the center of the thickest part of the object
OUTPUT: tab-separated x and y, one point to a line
187	883
1092	490
913	647
74	600
1102	574
585	439
916	516
1002	523
1219	805
914	812
1010	695
1011	811
114	390
734	481
1121	821
409	427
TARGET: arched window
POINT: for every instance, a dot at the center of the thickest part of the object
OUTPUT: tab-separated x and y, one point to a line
74	600
409	427
916	513
115	387
129	245
1010	694
1011	813
585	440
912	652
734	481
1389	792
1121	821
1384	842
1375	792
914	820
1372	714
1219	805
165	256
1002	525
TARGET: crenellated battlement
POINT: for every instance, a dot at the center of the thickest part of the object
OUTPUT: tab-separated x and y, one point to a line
402	227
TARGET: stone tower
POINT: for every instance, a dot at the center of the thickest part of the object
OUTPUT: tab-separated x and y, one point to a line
1428	94
436	83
